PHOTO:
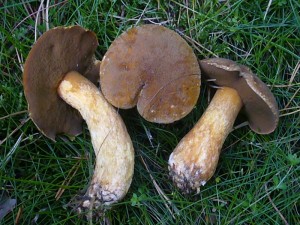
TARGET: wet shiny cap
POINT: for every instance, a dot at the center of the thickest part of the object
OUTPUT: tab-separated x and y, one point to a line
154	68
57	52
260	105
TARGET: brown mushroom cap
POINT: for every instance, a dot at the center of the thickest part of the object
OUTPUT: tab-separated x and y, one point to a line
154	68
260	105
55	53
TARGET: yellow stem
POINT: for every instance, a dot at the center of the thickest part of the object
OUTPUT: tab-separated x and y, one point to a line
195	158
111	142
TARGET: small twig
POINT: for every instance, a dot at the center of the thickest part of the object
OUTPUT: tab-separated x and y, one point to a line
37	19
150	19
14	131
229	146
12	151
47	15
30	137
240	125
267	10
290	108
19	213
198	44
290	113
211	80
35	13
160	192
283	85
13	114
295	71
215	86
67	180
149	135
292	98
274	206
20	59
133	19
144	10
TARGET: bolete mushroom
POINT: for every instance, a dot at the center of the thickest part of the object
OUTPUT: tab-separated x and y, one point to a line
59	94
154	68
194	160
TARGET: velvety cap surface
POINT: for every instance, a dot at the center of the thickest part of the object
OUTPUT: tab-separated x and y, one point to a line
154	68
260	105
56	52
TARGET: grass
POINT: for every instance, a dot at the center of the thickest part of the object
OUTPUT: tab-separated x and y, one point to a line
257	179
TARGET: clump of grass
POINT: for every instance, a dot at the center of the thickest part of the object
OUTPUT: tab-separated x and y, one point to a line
257	180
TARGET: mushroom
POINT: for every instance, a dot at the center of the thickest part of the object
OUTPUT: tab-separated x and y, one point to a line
194	160
154	68
57	88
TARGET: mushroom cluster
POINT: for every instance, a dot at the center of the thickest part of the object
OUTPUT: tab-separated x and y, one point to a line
59	79
154	68
150	67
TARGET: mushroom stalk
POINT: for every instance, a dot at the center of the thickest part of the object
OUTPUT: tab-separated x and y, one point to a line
110	139
194	160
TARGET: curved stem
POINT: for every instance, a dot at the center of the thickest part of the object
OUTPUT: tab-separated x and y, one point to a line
111	142
194	160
